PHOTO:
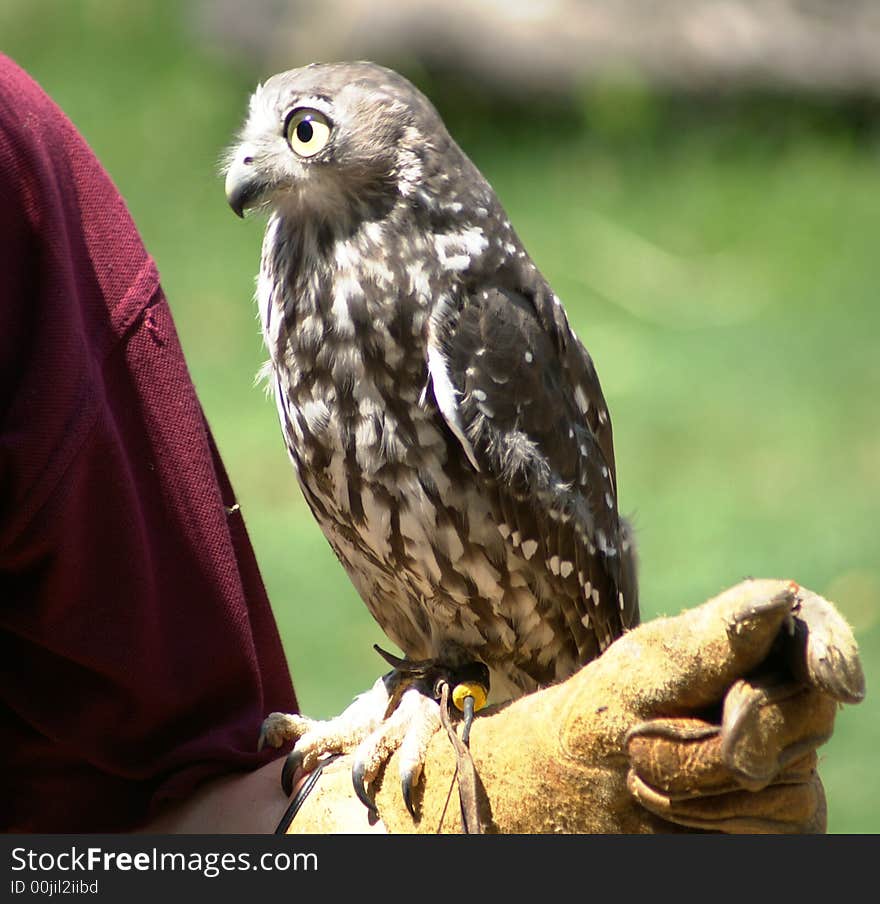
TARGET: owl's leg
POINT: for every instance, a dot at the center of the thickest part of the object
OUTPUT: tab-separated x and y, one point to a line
409	729
396	711
400	712
316	739
415	715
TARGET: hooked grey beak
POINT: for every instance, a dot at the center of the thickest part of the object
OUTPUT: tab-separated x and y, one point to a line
244	188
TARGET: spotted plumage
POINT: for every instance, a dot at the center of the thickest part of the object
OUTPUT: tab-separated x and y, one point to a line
447	427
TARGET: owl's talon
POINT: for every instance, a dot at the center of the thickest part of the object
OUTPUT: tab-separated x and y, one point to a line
407	783
291	766
358	780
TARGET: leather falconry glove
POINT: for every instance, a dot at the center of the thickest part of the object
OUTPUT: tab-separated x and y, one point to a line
706	721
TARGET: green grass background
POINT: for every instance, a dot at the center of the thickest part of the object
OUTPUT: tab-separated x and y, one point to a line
720	258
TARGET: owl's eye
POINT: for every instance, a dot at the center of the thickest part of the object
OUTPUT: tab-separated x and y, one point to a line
307	131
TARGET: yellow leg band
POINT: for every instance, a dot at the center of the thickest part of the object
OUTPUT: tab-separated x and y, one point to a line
469	689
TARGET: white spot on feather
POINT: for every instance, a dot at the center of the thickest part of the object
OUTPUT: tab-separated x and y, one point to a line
316	416
529	548
457	250
311	330
346	255
345	288
447	399
374	232
365	434
419	281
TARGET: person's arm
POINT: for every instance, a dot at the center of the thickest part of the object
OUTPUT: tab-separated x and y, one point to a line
242	803
138	651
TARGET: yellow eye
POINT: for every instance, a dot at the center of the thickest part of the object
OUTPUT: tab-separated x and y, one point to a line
308	131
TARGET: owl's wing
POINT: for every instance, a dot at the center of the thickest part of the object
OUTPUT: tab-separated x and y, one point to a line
520	393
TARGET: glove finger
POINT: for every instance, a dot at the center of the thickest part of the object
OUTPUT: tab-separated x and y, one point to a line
678	757
822	651
787	808
767	725
691	667
683	758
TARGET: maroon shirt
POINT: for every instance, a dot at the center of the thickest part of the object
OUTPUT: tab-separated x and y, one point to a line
138	653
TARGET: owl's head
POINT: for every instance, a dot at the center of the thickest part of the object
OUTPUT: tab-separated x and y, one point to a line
333	141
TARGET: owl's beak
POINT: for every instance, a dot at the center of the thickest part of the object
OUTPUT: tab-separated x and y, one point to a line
244	186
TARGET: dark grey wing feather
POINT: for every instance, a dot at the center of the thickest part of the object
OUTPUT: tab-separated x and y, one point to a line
525	403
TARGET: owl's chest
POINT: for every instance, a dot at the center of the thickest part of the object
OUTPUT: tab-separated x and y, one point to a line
372	460
350	371
356	427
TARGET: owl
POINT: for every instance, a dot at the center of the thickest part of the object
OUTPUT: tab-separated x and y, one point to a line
445	424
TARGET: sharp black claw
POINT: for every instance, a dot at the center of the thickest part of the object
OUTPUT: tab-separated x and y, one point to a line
358	775
407	785
394	661
291	765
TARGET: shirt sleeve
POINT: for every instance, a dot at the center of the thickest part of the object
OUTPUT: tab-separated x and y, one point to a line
138	652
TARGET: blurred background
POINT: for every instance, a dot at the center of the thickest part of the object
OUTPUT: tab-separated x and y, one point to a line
699	181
